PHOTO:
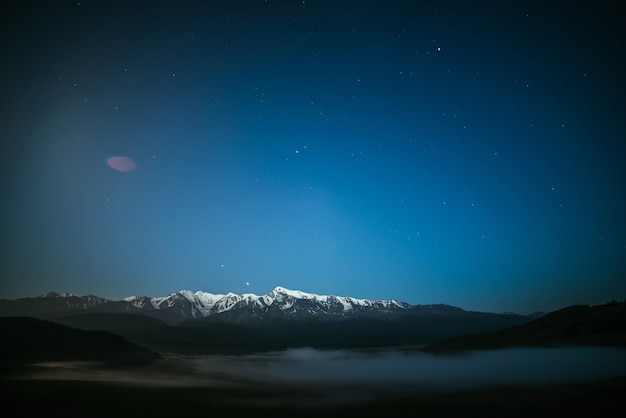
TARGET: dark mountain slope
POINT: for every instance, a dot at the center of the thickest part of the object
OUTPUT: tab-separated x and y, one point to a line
217	333
29	340
601	325
110	321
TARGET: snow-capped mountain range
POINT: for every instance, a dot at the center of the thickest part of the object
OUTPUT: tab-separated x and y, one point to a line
203	304
187	305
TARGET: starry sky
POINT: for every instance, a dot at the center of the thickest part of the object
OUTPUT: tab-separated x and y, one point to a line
468	153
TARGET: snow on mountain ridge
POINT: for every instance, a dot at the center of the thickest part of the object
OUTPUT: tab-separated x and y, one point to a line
204	304
59	295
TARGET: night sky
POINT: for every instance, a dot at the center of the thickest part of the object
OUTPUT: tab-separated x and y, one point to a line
468	153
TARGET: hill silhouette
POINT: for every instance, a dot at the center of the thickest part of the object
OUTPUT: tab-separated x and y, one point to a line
30	340
110	321
580	325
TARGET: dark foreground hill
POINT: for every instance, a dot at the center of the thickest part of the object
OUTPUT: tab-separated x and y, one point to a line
29	340
601	325
113	322
214	335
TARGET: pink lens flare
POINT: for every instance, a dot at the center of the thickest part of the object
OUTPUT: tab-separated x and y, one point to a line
122	163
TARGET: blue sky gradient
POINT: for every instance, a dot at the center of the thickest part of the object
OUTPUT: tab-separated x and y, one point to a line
431	152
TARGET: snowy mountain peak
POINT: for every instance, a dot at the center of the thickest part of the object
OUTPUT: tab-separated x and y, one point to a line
58	295
193	305
281	291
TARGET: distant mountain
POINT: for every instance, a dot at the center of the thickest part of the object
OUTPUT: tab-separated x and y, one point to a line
30	340
603	325
185	305
202	322
279	303
49	304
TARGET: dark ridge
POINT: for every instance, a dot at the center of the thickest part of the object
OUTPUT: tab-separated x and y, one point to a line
580	325
110	321
30	340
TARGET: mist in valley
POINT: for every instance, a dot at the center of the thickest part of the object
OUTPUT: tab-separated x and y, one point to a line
311	368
